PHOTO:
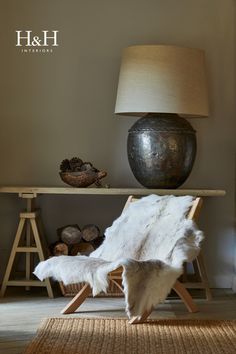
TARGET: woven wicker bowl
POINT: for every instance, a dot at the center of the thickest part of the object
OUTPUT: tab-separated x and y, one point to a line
81	179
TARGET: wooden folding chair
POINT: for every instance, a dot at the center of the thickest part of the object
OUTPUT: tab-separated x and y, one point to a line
116	277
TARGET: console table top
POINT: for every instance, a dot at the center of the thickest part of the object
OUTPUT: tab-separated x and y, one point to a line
111	191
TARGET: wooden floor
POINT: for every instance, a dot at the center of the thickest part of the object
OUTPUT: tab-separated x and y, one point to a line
21	312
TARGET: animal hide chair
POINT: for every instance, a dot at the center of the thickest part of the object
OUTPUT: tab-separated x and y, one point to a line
162	234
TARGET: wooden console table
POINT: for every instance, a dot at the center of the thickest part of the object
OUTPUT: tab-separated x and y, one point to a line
111	191
29	237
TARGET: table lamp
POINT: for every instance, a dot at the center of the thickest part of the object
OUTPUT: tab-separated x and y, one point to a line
163	84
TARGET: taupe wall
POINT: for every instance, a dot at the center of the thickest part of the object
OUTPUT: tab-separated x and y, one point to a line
61	105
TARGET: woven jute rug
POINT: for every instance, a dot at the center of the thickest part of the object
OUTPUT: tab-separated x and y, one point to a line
117	336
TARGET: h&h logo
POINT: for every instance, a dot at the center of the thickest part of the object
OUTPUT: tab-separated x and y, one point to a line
26	39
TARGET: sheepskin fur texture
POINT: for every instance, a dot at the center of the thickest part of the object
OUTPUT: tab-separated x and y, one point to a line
150	240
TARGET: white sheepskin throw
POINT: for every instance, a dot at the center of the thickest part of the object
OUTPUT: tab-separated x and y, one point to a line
150	240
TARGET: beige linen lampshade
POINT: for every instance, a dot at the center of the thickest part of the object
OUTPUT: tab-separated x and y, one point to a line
162	79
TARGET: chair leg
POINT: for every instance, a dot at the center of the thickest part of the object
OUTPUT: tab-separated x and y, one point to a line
203	274
77	300
185	296
140	319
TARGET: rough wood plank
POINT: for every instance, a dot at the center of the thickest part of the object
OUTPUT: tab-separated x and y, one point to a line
25	282
27	249
112	191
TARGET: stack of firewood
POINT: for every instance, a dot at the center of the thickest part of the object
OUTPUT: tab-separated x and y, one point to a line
76	241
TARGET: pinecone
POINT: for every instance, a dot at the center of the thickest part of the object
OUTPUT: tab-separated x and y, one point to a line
75	164
65	166
87	166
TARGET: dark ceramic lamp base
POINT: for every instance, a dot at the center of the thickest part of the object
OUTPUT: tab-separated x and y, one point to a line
161	150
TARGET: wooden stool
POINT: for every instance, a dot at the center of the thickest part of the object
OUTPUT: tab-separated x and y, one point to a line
30	241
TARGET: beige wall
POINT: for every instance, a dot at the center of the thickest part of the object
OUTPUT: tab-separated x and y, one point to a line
61	105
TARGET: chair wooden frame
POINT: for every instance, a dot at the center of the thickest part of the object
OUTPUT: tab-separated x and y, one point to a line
116	277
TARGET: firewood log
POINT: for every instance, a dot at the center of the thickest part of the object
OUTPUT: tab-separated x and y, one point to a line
58	249
82	248
70	234
98	241
90	232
